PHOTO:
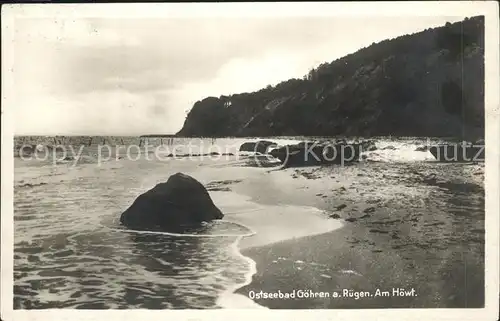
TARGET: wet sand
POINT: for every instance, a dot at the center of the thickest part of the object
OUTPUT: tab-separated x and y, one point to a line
408	225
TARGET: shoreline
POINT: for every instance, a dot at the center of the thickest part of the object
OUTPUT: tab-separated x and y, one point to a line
382	244
389	224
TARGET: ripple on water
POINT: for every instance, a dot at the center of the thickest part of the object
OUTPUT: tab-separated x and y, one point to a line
110	267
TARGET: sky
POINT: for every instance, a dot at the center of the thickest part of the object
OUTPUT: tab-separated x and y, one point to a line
131	76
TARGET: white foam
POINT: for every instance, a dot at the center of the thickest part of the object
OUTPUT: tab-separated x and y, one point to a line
232	300
273	223
250	233
399	151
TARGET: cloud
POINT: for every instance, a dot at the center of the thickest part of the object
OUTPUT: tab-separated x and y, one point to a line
75	32
142	75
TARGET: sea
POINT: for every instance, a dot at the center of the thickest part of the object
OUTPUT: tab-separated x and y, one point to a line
70	250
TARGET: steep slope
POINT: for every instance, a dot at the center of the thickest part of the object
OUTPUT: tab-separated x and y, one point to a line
429	83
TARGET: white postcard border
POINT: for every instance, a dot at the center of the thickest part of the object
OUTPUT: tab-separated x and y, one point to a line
456	8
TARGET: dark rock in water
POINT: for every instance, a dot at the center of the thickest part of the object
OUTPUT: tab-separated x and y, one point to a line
368	145
458	152
341	207
314	153
247	147
179	203
390	147
422	149
260	146
335	216
195	155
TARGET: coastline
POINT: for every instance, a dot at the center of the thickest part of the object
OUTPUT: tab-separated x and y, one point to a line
388	239
366	226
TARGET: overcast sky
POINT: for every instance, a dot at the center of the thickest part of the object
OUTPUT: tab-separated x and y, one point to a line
137	76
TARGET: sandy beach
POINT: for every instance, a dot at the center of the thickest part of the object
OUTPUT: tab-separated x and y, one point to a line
404	225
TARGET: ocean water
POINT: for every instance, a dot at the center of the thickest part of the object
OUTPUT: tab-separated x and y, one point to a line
71	252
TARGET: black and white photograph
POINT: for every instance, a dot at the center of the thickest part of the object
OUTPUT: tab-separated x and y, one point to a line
259	156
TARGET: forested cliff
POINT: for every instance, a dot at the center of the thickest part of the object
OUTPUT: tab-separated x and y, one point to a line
429	83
